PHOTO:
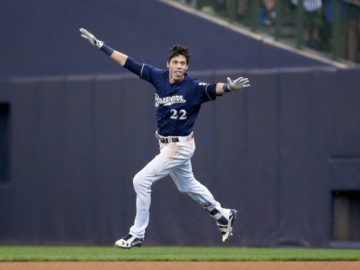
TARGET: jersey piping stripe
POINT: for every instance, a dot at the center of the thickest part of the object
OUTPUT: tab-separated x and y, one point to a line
208	93
141	71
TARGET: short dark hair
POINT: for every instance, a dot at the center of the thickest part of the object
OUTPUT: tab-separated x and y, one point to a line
177	50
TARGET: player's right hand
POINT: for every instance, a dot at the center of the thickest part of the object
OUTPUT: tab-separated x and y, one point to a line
91	38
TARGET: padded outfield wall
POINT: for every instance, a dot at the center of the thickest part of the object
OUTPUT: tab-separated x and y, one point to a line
75	139
274	151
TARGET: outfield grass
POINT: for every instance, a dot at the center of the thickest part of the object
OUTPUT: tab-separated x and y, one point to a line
47	253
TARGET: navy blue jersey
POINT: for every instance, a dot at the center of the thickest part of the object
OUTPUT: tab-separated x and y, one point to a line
177	104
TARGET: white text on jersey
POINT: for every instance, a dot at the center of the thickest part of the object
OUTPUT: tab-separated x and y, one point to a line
168	101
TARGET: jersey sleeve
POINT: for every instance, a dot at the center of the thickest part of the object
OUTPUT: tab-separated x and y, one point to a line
205	92
144	71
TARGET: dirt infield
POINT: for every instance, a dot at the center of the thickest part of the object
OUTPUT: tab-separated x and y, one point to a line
180	265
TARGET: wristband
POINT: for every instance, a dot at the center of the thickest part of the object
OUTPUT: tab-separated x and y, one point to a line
107	50
226	88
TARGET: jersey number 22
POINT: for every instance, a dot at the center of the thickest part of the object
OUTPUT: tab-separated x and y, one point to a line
175	114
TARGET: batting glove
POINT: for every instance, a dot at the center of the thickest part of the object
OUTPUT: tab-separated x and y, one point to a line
91	38
238	83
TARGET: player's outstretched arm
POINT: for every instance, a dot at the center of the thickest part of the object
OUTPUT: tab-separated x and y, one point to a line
114	54
232	85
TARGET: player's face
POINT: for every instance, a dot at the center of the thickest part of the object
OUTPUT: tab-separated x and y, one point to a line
177	67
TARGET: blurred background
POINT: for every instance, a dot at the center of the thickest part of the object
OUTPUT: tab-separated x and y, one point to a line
331	28
76	127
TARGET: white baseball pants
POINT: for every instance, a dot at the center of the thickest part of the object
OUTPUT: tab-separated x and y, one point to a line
173	159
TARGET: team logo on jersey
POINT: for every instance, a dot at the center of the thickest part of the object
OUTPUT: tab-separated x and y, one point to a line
203	84
168	101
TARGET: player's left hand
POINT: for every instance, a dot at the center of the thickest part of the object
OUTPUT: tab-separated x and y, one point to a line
238	83
91	38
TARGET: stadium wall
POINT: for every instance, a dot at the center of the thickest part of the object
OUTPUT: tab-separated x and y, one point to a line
275	152
71	140
42	38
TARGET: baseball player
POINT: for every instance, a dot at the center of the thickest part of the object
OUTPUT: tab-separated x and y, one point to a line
178	98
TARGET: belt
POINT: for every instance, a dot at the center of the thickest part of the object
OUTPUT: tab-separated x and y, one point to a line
172	139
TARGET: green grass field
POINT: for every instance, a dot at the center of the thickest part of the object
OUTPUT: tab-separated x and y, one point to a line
51	253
